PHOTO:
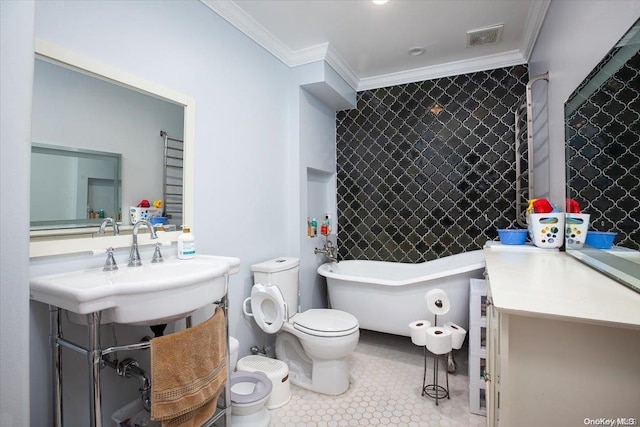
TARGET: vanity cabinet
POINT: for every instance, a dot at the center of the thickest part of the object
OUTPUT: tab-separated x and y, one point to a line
563	342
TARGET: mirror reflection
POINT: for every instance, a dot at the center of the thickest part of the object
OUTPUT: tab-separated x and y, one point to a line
73	187
602	126
83	113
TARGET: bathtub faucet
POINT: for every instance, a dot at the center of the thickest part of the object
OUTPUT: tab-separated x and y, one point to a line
329	250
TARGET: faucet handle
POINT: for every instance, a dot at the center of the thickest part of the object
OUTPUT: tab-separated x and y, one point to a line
157	255
110	263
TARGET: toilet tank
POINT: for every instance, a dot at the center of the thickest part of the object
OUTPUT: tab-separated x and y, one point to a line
282	272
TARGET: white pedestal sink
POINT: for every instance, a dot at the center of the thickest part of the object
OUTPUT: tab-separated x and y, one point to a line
145	295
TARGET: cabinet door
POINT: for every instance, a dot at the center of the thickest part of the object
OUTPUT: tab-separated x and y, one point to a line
491	372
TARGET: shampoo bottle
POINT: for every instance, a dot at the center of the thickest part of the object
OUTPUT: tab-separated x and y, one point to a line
186	244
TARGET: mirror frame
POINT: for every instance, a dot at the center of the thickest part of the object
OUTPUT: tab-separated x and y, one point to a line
47	51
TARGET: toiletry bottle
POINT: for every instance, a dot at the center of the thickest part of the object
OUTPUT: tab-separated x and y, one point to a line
309	229
327	223
314	227
186	244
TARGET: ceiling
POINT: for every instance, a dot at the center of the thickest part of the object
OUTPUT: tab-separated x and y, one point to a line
368	44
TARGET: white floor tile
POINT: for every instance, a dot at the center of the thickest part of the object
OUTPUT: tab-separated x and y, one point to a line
386	381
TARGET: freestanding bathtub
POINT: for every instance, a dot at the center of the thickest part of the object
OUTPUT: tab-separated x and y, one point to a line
387	296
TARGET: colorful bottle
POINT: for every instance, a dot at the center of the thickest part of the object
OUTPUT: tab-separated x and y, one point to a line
186	244
314	227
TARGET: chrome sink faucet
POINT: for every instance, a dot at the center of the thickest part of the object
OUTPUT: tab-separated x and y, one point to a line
134	255
329	250
113	223
110	263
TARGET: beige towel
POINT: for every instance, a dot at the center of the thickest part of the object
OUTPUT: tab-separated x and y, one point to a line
188	372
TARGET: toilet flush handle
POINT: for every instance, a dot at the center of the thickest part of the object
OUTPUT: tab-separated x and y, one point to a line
244	307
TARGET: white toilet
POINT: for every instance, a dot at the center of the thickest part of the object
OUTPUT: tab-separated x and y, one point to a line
315	343
249	393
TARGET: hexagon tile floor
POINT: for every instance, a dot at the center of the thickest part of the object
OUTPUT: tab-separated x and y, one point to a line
386	381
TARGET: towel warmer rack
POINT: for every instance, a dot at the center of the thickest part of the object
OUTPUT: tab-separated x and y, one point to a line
95	360
524	151
172	177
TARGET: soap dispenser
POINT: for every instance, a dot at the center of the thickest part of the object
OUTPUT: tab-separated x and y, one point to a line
186	244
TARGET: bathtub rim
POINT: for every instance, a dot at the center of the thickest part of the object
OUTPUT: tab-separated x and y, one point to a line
323	270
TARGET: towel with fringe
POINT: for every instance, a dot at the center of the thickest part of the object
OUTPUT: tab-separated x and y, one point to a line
188	372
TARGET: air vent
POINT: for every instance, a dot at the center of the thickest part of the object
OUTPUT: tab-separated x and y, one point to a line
483	36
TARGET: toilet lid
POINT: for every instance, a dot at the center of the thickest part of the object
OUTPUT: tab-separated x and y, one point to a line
326	322
268	307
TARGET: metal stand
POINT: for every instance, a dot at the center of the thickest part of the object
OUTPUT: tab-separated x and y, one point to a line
95	354
434	390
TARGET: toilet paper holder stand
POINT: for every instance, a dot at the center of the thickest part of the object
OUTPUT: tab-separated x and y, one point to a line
434	390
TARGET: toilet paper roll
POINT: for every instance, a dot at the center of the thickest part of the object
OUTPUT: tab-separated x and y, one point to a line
418	331
437	302
438	340
458	334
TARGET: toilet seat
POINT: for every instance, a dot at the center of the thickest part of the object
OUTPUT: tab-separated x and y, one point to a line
323	322
262	387
267	307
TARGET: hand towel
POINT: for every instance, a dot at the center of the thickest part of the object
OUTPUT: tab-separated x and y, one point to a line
188	372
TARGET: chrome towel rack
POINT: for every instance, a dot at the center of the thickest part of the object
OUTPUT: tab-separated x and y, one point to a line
524	151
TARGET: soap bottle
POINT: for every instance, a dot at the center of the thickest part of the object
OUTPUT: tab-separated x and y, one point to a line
186	244
327	224
314	227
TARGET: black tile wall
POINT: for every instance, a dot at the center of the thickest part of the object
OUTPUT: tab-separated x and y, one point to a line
426	169
603	153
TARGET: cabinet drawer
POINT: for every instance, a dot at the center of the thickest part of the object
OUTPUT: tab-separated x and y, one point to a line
478	338
477	399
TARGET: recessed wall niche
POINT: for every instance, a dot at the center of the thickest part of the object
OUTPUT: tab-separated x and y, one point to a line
426	169
320	196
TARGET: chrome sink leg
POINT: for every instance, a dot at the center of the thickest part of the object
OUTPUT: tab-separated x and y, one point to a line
94	358
55	332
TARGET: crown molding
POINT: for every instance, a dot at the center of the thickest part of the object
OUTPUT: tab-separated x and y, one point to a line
237	17
537	12
341	67
487	62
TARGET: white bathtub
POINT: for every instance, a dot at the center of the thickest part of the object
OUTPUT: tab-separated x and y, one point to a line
387	296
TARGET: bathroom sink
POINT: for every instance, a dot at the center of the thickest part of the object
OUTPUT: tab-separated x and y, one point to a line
145	295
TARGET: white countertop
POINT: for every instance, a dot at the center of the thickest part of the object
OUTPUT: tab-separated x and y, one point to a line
555	285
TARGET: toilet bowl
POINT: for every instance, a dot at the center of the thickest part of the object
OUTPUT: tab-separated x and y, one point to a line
249	393
313	343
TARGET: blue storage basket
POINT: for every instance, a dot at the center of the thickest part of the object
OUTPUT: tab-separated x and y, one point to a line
512	237
600	239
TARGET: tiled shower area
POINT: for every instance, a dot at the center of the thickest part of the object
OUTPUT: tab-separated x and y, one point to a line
427	169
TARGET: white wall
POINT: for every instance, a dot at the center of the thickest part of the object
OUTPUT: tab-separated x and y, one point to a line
575	36
16	74
247	150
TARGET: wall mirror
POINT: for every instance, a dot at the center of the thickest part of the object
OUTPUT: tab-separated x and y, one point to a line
602	131
83	111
